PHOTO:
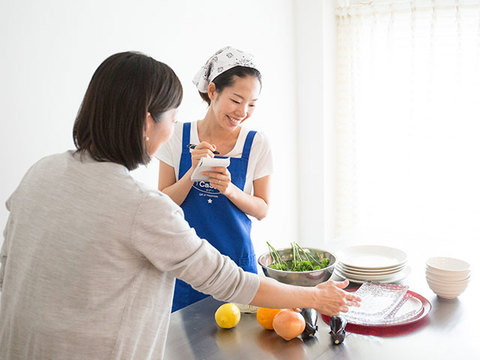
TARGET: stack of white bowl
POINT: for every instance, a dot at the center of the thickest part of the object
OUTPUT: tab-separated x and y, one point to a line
447	277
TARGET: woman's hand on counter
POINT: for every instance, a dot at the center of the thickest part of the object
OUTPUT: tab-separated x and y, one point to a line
332	299
327	298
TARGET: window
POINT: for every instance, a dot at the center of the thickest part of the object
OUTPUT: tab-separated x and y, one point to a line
408	122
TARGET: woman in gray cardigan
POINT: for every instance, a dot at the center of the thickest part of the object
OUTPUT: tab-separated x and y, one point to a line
90	255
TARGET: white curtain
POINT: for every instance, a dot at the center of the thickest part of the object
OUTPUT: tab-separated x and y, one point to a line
408	122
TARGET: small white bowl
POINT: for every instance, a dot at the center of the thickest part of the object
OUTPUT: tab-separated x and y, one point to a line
447	282
448	295
447	277
451	277
448	264
447	291
446	286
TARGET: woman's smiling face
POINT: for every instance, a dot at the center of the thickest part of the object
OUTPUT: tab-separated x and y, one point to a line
236	103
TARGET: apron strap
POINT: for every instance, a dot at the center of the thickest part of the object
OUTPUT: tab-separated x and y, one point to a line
248	144
186	136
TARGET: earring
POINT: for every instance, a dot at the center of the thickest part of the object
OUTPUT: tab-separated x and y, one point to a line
147	138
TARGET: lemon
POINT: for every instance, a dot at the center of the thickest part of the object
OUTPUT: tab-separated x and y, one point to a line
227	316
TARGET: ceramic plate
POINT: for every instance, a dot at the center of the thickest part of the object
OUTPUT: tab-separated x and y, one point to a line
372	257
354	271
381	279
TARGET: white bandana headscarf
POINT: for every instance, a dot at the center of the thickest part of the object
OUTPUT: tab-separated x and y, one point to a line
223	60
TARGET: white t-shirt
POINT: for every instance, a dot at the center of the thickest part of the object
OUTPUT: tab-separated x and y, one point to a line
260	162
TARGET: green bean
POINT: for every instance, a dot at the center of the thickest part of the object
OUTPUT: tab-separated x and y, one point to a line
302	260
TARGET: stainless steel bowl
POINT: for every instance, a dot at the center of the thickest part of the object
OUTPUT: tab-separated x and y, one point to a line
301	278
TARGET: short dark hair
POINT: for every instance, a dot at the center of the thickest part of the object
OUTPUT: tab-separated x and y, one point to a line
111	119
227	78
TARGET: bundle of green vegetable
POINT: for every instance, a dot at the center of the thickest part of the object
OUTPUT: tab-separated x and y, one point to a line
302	260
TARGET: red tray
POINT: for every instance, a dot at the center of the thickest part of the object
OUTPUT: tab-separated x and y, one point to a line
400	328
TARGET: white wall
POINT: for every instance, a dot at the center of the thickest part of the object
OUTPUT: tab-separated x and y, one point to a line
50	49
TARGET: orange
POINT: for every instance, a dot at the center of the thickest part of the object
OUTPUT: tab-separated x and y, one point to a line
265	317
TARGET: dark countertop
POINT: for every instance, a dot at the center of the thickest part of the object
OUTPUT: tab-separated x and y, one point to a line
449	331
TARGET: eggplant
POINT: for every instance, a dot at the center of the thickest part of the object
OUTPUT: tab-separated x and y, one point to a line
337	329
311	317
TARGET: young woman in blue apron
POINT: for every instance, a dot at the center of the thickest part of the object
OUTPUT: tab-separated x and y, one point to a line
218	209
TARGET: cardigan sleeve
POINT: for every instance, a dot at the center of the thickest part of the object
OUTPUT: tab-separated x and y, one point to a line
162	235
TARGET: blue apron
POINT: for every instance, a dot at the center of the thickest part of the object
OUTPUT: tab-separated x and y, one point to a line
215	218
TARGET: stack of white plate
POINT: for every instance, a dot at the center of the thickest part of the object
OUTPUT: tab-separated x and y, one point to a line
372	263
447	277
